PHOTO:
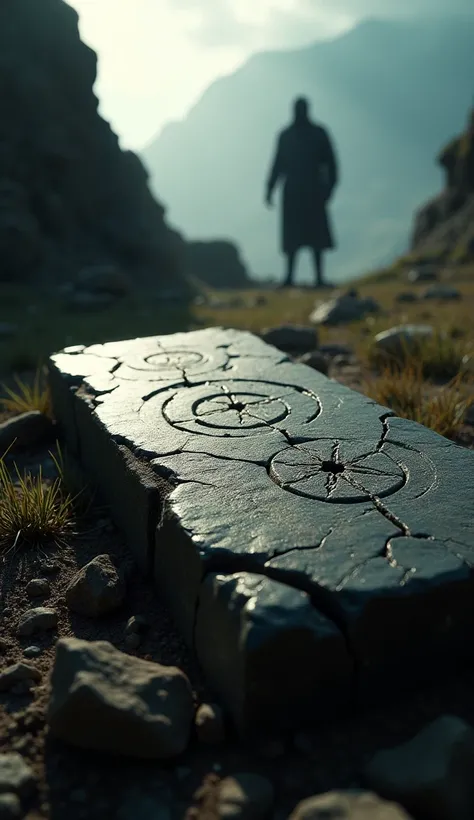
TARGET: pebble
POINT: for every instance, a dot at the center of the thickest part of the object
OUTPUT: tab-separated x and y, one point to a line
32	651
38	587
37	620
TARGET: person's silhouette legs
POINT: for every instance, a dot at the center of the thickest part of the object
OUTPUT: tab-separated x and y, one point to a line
318	268
290	267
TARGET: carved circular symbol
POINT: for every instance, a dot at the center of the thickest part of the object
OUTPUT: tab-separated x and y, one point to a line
323	471
166	365
237	408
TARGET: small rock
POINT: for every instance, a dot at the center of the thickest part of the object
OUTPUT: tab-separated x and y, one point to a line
96	589
38	619
291	338
244	796
422	273
16	775
348	307
32	651
402	339
10	807
442	292
25	430
349	805
431	775
7	330
209	722
318	361
133	640
407	296
50	567
136	624
16	673
137	708
38	587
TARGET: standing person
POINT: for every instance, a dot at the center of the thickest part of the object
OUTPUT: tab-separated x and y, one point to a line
306	164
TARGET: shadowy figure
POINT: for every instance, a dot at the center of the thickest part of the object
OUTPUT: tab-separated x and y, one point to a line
306	164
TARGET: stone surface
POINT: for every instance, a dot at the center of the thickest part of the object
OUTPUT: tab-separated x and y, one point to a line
16	776
283	516
209	722
245	796
106	700
96	589
17	673
10	807
24	430
431	775
39	619
347	806
345	308
291	338
403	339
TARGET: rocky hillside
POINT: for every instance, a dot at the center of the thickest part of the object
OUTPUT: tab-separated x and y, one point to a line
70	198
444	227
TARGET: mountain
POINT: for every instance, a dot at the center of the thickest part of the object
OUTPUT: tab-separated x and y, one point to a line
389	92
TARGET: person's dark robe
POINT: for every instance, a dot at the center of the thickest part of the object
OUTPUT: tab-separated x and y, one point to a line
306	164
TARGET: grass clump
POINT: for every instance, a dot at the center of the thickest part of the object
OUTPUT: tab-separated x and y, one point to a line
405	391
33	512
439	357
27	397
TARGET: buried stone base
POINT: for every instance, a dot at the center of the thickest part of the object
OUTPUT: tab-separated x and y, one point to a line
313	549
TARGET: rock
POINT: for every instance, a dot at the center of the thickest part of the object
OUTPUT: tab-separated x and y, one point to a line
245	796
38	587
431	775
32	651
25	430
291	338
136	707
422	273
10	807
96	589
38	619
348	307
403	339
16	775
442	292
349	805
17	673
334	349
132	641
406	296
136	624
104	279
7	330
209	722
318	361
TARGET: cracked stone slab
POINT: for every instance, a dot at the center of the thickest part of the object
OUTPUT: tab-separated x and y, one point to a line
262	495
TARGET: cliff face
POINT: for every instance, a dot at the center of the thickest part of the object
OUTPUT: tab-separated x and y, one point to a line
444	227
69	196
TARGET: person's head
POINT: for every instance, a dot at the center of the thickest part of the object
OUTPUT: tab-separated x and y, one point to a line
301	109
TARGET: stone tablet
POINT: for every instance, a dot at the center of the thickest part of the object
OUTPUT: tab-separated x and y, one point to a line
314	549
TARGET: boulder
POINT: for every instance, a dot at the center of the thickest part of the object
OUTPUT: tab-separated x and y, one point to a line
39	619
18	673
291	338
396	342
105	700
348	307
430	775
348	805
96	589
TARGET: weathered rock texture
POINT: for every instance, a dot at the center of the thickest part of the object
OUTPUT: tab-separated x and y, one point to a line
444	227
69	196
315	549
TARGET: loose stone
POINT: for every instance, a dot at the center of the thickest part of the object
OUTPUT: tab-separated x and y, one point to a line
38	587
16	775
18	673
96	589
39	619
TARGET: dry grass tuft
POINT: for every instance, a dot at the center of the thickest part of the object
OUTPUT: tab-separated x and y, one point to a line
33	512
405	391
441	356
27	397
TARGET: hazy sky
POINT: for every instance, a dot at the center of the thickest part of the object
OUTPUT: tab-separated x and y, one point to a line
157	56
